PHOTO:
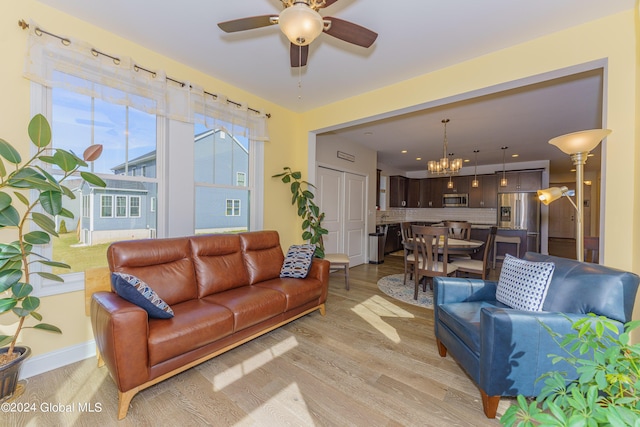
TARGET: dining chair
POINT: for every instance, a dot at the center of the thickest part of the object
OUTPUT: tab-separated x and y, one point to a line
476	266
592	249
460	230
429	243
407	245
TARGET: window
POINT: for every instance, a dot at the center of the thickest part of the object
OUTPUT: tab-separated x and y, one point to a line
221	165
121	206
86	205
241	179
152	204
233	207
106	206
128	137
134	206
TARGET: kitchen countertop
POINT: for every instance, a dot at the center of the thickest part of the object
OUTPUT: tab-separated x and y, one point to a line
473	225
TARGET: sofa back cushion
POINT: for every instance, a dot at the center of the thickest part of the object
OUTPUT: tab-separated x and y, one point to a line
580	287
164	264
218	263
263	255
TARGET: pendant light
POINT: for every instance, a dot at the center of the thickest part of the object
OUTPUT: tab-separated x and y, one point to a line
445	166
503	181
475	183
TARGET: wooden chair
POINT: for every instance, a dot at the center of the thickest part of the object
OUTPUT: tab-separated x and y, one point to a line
460	230
429	243
505	239
476	266
339	262
407	245
592	249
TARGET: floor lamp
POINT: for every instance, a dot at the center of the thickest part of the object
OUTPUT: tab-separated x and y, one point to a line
577	145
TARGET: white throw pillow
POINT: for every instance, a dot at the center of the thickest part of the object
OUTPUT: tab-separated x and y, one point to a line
523	284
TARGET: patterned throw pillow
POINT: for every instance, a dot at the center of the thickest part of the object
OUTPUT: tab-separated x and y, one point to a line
523	284
298	260
139	293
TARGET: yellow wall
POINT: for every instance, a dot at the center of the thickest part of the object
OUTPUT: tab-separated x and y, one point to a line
612	38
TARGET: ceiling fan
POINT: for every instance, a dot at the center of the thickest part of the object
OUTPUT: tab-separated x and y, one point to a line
301	22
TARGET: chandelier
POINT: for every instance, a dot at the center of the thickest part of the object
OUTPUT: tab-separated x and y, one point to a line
446	165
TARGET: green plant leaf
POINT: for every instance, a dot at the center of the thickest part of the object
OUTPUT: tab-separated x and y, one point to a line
67	192
50	276
47	159
29	178
7	304
36	316
5	200
9	217
5	340
65	160
93	179
3	170
8	152
8	278
296	175
45	223
22	198
37	238
31	303
54	263
39	131
66	213
51	202
21	290
47	327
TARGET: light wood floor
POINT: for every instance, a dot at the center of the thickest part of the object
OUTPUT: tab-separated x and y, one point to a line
371	361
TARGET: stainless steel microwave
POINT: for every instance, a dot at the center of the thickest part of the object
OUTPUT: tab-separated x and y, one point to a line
455	200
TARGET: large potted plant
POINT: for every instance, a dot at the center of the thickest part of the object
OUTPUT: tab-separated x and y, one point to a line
607	390
302	197
29	195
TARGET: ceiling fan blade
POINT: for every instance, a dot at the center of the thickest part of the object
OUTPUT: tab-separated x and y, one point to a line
350	32
328	3
298	55
246	23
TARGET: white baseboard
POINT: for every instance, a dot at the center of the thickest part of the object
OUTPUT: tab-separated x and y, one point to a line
57	359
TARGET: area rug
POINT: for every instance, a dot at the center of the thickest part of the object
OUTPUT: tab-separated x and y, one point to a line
394	287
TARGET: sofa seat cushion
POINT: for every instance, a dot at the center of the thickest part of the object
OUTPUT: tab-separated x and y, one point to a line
195	323
298	292
463	319
250	304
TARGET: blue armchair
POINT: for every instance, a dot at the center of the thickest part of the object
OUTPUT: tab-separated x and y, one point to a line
505	350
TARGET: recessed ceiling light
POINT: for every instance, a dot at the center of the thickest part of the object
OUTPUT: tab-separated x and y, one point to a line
467	160
572	170
404	151
368	133
418	158
515	155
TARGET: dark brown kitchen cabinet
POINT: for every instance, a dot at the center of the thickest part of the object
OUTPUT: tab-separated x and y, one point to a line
413	193
460	185
486	194
521	181
397	191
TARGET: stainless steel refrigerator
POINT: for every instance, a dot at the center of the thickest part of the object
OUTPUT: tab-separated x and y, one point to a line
521	211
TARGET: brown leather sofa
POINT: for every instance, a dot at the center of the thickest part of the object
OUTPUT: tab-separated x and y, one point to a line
224	291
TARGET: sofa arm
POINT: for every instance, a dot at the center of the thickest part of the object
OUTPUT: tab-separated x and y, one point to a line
457	289
515	349
121	332
320	271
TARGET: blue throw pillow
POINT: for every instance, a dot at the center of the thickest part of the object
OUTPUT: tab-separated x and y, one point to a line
523	284
139	293
298	260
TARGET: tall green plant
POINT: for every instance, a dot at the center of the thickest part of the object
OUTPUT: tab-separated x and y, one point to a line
17	258
302	197
607	390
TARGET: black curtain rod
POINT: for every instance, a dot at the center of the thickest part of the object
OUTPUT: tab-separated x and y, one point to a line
65	41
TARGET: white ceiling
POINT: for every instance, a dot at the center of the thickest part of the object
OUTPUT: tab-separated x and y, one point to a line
415	37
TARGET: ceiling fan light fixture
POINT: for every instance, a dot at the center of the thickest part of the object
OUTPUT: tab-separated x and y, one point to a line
300	24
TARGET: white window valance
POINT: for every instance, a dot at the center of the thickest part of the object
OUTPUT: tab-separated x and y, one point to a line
55	61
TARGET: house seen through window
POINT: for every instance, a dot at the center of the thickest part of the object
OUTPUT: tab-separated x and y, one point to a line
221	167
124	209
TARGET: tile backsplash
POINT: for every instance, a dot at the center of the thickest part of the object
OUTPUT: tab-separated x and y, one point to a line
473	215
